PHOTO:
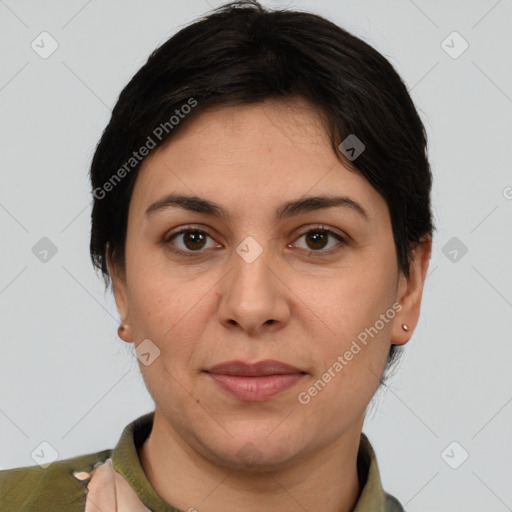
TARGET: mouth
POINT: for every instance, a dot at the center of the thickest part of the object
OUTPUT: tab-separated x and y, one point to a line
255	382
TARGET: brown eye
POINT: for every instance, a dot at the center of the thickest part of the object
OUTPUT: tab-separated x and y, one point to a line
194	240
188	240
318	239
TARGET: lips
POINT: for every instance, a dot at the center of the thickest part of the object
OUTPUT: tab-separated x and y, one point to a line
257	381
260	369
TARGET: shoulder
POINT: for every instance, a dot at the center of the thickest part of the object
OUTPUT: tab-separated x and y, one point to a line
54	488
392	504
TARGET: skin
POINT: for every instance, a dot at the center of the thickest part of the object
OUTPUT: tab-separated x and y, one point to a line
214	307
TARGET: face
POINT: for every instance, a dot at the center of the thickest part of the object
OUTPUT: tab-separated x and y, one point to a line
301	288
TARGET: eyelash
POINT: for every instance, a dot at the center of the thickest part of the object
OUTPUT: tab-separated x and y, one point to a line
319	228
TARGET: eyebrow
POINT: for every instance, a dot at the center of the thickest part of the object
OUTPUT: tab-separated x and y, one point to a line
286	210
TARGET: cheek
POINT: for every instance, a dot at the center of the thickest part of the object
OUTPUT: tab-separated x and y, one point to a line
171	314
352	360
353	303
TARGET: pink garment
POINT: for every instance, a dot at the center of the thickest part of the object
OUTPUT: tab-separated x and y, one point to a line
108	491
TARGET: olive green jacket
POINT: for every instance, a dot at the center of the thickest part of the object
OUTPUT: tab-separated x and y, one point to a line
65	485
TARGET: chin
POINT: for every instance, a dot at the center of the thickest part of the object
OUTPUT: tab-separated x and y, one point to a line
254	452
251	458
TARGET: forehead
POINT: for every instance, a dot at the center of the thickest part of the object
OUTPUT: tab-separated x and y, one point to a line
251	157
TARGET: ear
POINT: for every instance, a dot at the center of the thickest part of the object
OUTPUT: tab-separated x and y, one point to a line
118	278
410	292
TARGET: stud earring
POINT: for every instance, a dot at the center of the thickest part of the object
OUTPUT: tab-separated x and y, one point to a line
405	327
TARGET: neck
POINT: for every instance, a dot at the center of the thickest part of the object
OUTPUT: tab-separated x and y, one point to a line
326	480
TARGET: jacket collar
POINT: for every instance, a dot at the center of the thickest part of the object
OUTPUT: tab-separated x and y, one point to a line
125	461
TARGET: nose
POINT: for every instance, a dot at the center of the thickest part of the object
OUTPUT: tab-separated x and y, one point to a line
253	296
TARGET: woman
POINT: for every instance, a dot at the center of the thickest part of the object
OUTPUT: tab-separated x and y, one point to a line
262	211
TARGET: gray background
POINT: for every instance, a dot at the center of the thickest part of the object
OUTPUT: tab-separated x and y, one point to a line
66	377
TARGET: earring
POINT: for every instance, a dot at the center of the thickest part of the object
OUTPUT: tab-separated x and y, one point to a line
405	327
